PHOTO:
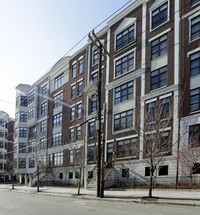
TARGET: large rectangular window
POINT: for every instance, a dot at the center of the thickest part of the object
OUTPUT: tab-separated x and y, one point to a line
195	28
31	113
127	148
195	100
164	142
72	113
79	110
31	97
194	135
95	56
57	120
91	129
43	126
57	100
24	101
44	90
74	71
31	146
73	92
94	105
31	162
151	108
165	108
22	147
80	71
22	163
125	37
44	108
78	133
159	47
124	65
59	81
2	123
159	78
195	64
159	15
23	116
72	134
32	132
123	120
22	132
124	92
57	139
80	87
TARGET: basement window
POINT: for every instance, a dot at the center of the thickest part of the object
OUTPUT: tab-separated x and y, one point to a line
163	170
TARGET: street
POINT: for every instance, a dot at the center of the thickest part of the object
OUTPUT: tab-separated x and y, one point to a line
18	203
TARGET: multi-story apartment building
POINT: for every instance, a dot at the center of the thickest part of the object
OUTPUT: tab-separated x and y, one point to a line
6	146
150	79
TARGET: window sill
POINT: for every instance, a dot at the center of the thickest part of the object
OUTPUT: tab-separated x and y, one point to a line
151	30
194	112
194	40
123	49
157	89
123	158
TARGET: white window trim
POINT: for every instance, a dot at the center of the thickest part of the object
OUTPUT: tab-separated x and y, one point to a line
74	62
110	141
165	96
195	4
190	22
121	56
73	84
54	95
80	80
118	32
79	102
154	8
72	105
151	100
127	137
193	51
159	35
80	58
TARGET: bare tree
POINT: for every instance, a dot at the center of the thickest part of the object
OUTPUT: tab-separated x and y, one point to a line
189	157
10	167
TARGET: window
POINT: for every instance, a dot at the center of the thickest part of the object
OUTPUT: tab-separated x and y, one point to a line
44	108
147	171
163	170
42	143
195	100
125	173
2	133
195	2
78	133
194	135
125	37
31	97
151	112
196	168
57	100
164	141
22	147
70	175
71	158
124	65
91	154
195	28
58	159
79	110
32	132
23	116
31	162
57	120
195	64
80	88
95	56
74	71
44	90
91	129
31	146
94	105
59	81
1	145
2	123
61	175
78	155
16	117
127	148
22	163
1	156
31	113
23	101
72	113
72	135
22	132
159	15
165	108
159	47
73	92
43	126
95	77
124	92
57	139
80	71
158	78
123	120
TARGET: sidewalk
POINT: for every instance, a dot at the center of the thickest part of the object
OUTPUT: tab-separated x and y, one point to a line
176	197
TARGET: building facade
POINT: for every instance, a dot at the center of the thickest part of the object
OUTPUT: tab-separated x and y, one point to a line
150	85
6	147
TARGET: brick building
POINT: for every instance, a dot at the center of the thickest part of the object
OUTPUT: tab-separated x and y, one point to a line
150	79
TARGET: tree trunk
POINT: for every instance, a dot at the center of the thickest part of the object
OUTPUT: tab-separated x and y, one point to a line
190	181
38	180
151	178
13	186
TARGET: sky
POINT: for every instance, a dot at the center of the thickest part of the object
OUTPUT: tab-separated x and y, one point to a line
35	34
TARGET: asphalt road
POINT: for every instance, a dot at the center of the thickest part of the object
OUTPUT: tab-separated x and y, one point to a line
16	203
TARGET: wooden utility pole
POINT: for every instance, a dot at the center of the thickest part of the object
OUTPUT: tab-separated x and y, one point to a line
100	47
